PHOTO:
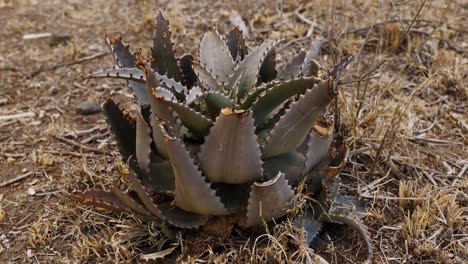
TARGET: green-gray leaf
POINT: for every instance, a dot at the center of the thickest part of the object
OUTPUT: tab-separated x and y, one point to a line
292	128
246	74
231	153
269	200
164	60
192	192
196	122
277	94
220	65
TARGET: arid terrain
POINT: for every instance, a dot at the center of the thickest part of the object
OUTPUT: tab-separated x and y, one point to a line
404	102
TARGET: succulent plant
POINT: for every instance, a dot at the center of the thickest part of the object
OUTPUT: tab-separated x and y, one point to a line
226	136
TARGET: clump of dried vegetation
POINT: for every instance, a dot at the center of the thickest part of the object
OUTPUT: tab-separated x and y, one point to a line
404	102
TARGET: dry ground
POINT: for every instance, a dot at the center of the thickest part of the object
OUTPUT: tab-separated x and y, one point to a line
405	96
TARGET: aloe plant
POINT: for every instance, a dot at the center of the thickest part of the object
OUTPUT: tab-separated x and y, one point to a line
227	135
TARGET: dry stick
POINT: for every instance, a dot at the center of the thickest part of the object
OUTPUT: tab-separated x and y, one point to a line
436	141
16	179
71	153
8	68
389	22
397	13
17	116
362	150
394	198
405	35
81	60
84	147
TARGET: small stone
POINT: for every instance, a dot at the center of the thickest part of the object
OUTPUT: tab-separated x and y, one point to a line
31	191
88	107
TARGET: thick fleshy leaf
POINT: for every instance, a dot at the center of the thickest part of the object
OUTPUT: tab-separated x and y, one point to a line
189	78
308	65
122	126
193	95
176	87
155	80
192	192
181	218
268	69
100	198
269	200
338	156
309	223
291	164
252	96
327	170
129	202
236	44
133	74
158	138
161	176
318	144
126	59
294	68
246	74
162	112
145	197
355	222
143	143
121	52
231	153
206	79
216	101
215	57
193	120
163	56
277	94
293	127
314	68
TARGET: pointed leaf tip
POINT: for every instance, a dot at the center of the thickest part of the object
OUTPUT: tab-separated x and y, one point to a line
214	56
163	56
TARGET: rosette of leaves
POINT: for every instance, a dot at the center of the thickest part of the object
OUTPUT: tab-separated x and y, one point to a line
225	136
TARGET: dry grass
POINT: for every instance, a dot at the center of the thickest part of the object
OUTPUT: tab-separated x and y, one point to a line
406	94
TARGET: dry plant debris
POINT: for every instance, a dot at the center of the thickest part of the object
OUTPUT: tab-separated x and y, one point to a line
405	103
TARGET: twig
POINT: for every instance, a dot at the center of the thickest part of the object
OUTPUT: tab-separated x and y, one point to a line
405	35
305	20
361	150
71	153
436	141
394	198
17	116
16	179
13	69
388	22
76	144
81	60
93	137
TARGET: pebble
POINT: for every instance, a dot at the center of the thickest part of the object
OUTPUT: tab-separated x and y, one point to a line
88	107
